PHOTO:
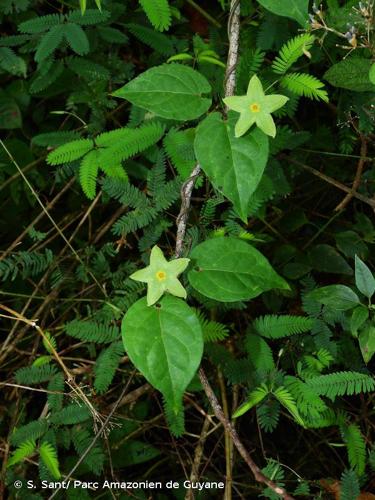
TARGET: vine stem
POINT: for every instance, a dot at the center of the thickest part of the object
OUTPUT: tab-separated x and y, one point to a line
186	192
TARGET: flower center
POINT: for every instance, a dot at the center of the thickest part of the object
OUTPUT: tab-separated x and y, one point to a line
161	275
255	108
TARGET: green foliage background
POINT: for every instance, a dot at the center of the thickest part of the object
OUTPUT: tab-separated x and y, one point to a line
91	171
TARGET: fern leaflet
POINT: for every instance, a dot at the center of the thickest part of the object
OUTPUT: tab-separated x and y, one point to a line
291	51
24	450
306	85
48	455
341	383
276	327
158	13
356	447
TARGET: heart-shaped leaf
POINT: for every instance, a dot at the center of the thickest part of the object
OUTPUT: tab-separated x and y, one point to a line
173	91
228	270
294	9
165	343
234	165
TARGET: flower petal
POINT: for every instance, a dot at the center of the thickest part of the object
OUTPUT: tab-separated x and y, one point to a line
274	102
157	258
177	266
237	103
175	288
265	122
154	292
143	275
245	121
255	89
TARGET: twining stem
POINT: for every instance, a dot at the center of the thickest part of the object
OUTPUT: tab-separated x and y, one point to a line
186	191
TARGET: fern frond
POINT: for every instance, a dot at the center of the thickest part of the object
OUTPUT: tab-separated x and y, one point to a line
94	459
259	353
132	142
106	366
31	431
71	414
308	402
134	220
276	327
179	145
49	42
25	263
76	38
124	193
32	375
356	447
57	383
13	40
49	456
87	69
306	85
112	35
349	486
12	63
291	51
286	399
341	383
54	139
158	13
70	151
88	173
24	450
40	24
254	398
212	330
157	41
43	80
90	18
268	414
91	331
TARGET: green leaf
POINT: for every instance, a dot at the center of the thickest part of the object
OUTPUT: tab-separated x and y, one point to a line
339	297
10	114
234	165
76	38
326	259
294	9
359	315
158	13
172	91
255	397
364	279
367	342
287	400
24	450
371	74
229	270
49	457
352	74
165	343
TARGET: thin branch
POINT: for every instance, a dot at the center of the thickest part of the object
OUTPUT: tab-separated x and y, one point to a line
332	181
358	175
228	426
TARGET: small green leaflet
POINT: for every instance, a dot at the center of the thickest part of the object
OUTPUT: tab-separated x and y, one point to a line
359	316
339	297
234	165
294	9
229	270
172	91
352	74
367	342
165	343
372	74
364	279
255	397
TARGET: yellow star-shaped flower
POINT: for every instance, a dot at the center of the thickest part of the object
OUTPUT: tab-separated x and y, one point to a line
161	276
255	107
